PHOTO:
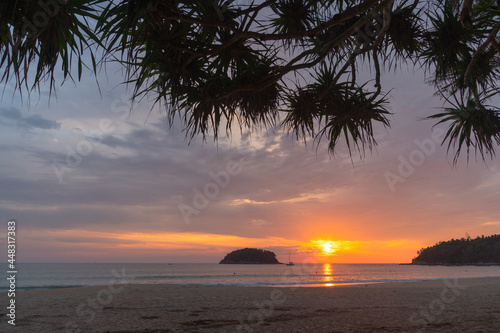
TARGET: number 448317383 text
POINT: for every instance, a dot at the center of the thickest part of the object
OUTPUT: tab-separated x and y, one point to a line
11	254
11	243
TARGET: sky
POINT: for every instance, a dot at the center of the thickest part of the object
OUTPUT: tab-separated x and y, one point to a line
91	178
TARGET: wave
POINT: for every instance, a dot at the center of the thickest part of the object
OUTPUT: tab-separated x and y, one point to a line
310	283
321	283
24	288
248	284
239	275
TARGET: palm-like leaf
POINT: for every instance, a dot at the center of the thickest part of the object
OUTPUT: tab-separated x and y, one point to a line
404	36
471	125
34	33
351	114
217	62
448	42
293	15
342	111
485	74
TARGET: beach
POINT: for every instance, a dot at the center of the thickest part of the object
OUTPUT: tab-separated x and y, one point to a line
452	305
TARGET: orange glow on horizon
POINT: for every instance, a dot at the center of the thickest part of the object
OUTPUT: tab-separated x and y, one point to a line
206	246
326	248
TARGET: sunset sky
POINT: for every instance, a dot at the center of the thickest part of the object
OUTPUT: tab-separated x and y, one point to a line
87	181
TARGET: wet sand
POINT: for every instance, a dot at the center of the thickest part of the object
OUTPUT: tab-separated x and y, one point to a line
456	305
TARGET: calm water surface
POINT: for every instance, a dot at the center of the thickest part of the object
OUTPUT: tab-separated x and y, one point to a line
44	276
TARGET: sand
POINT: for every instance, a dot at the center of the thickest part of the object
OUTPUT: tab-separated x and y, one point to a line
460	305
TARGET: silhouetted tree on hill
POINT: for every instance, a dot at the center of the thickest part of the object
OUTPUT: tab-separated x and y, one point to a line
462	251
250	256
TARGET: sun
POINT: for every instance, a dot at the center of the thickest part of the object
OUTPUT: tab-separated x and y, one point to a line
328	247
327	250
325	247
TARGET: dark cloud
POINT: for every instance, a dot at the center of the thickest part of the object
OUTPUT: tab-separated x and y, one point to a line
29	122
38	121
11	113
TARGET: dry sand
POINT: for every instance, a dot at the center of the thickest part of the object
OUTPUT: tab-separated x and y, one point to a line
461	305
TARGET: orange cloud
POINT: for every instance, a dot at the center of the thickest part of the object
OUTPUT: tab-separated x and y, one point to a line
130	244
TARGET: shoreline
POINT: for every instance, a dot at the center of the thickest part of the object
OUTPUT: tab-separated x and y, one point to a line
326	284
453	305
453	265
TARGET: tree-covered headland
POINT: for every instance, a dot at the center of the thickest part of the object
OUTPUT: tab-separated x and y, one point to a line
481	250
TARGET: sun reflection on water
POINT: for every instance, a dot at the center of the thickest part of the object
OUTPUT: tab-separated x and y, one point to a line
328	275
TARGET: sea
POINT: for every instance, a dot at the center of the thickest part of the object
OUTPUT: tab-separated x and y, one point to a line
49	276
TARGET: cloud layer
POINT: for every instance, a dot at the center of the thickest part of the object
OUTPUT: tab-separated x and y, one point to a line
85	175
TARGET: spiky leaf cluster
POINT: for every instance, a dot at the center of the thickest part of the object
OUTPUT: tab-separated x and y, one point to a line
335	110
36	35
463	55
218	63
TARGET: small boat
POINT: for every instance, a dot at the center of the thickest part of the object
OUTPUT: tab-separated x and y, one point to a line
289	262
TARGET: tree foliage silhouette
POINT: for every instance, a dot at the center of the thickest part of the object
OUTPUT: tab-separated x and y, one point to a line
462	251
250	256
292	63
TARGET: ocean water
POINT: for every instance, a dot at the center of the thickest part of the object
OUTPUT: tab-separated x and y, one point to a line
47	276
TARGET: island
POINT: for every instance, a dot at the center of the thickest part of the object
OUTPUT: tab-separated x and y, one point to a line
465	251
250	256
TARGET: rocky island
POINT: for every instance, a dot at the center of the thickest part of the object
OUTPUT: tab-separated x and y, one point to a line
250	256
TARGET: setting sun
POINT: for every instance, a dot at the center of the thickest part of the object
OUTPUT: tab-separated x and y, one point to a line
326	247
